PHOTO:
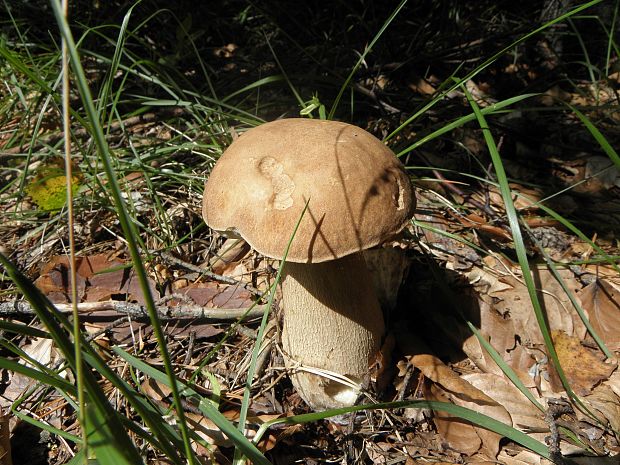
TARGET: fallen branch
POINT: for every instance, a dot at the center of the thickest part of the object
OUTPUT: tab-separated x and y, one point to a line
111	308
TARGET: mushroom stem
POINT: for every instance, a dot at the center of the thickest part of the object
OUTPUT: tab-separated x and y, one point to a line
332	322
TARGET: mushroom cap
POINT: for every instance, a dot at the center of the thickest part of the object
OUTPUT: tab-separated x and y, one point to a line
357	191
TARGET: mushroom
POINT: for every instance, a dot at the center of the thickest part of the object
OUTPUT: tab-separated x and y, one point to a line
358	196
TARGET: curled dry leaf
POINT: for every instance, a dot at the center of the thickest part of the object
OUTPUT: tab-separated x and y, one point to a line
459	434
225	259
601	299
486	282
614	382
479	356
607	403
582	367
41	350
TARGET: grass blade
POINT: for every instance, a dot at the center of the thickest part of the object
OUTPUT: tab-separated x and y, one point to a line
101	439
476	418
598	136
205	405
129	229
50	317
496	107
519	245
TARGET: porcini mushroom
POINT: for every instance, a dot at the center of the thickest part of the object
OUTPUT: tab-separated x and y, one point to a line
358	196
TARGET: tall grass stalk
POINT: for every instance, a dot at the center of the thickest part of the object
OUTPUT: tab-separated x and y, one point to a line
126	223
66	117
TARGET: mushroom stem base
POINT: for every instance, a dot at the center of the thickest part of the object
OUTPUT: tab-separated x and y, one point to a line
332	322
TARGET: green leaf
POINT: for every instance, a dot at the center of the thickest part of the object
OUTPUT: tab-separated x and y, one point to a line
49	187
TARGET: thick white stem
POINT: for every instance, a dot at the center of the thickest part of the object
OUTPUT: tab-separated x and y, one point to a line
332	322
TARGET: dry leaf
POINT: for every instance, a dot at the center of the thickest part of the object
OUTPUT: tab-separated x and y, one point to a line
233	297
480	357
40	349
582	367
605	400
155	390
201	293
458	433
601	300
614	382
552	95
422	86
207	430
516	305
98	279
521	410
485	281
228	255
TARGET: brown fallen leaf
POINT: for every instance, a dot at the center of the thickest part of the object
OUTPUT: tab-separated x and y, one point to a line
507	318
516	304
607	403
98	278
120	284
53	280
201	293
582	367
601	299
458	433
228	255
614	382
523	413
422	86
233	297
479	356
155	390
486	281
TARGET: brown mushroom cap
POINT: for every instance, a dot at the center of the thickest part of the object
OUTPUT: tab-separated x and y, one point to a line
359	195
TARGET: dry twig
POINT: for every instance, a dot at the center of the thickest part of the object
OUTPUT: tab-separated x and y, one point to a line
138	312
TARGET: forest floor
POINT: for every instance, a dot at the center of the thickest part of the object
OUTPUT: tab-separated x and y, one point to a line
457	262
